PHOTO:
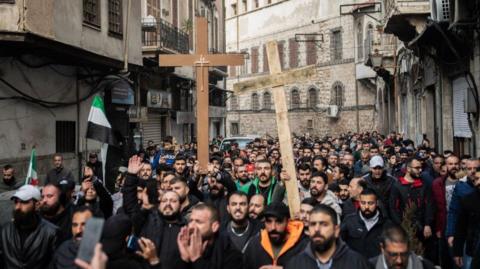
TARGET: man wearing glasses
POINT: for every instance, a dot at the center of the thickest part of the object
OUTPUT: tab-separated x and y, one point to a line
411	196
396	252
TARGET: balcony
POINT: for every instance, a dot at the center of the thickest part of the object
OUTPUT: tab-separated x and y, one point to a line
221	70
158	34
404	18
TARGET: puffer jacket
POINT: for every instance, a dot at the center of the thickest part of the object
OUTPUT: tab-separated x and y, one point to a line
37	251
259	251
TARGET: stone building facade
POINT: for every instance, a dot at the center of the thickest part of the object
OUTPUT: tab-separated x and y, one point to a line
308	33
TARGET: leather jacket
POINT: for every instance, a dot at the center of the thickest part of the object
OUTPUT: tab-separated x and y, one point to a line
37	251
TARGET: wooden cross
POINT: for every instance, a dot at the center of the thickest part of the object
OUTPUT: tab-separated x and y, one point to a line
201	60
276	80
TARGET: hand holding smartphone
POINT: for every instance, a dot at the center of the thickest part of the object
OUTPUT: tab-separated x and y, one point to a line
91	236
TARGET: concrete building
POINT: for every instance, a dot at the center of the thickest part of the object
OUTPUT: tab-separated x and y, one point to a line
339	98
167	95
55	56
436	72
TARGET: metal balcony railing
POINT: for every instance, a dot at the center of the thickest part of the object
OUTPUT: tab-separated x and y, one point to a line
162	34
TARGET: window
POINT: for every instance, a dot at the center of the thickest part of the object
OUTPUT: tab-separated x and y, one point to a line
293	53
233	71
359	41
295	99
244	4
311	51
255	102
234	128
91	12
243	68
312	98
310	124
256	3
7	1
337	94
234	9
265	59
255	60
115	19
65	136
267	101
233	102
153	8
369	40
336	45
281	53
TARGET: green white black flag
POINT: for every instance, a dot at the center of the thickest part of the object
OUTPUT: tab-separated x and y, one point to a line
98	126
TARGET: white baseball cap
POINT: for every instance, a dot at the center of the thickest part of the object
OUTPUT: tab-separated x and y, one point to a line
376	161
27	193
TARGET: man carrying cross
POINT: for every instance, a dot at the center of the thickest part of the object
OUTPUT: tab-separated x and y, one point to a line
201	60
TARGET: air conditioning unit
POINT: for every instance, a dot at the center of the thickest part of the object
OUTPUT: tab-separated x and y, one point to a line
440	10
332	111
149	22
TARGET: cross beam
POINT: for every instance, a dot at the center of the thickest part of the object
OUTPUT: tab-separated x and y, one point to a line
201	60
276	81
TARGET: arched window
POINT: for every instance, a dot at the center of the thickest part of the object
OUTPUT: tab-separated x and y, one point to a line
233	102
312	98
337	94
255	102
295	99
267	101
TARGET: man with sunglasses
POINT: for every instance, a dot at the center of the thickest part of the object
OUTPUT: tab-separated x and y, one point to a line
410	195
396	252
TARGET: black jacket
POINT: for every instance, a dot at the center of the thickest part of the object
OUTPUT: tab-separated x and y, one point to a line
150	224
259	252
343	257
64	223
349	207
103	206
221	255
383	188
57	175
37	251
468	225
417	193
64	257
358	238
254	228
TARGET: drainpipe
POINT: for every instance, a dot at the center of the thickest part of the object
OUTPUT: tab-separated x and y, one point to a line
125	40
438	111
79	151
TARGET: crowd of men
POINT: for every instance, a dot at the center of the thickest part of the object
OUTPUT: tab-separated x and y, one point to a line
367	201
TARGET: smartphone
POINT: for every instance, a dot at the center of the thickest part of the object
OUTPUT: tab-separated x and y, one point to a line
132	243
91	236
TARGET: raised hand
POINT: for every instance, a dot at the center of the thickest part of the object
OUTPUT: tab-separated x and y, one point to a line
196	246
182	242
148	250
134	164
99	260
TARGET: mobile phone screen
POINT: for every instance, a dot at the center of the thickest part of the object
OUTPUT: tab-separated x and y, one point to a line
91	236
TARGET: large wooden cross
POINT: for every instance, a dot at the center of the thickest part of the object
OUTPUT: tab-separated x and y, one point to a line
277	80
201	60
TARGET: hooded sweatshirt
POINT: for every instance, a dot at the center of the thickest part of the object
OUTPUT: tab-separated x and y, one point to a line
259	250
343	257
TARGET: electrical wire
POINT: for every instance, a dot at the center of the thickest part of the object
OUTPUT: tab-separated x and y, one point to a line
49	104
